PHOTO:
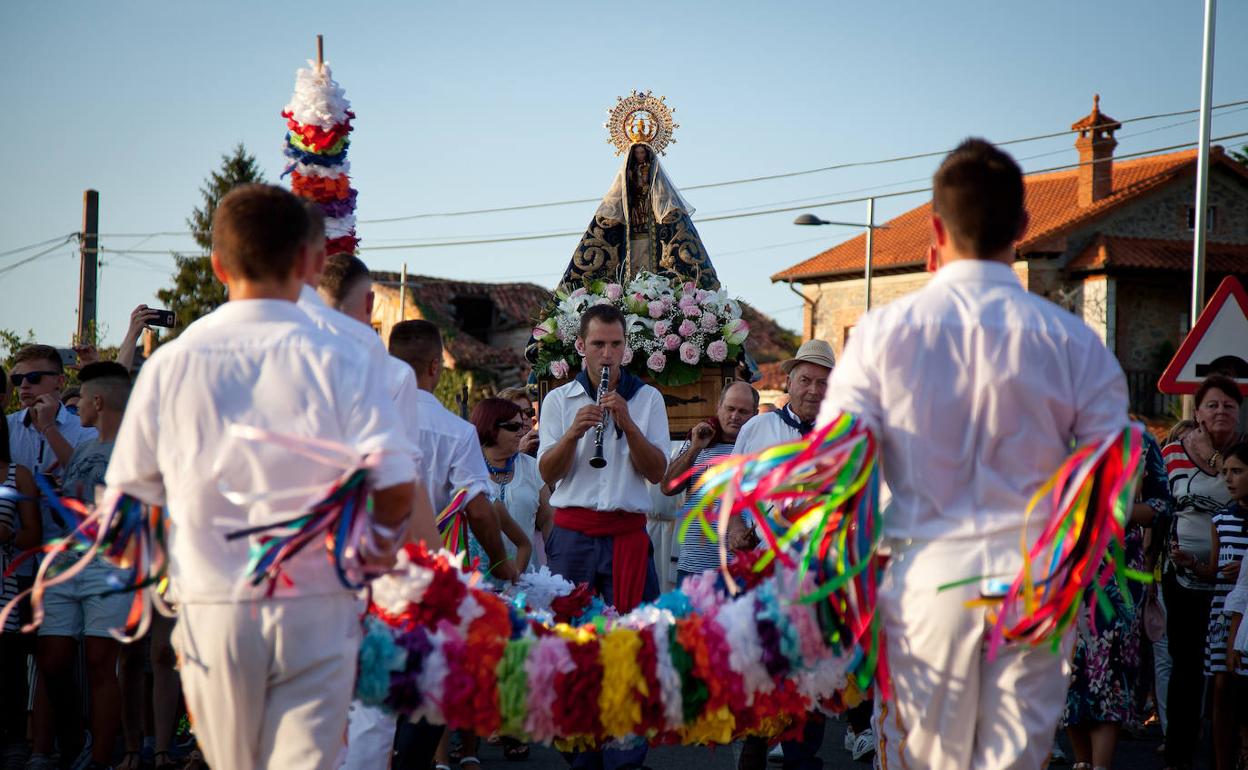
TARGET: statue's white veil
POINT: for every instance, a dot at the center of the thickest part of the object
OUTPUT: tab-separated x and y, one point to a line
664	197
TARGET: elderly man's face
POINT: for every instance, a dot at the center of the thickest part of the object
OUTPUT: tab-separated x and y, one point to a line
807	385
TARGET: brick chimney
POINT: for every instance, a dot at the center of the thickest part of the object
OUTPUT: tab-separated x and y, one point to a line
1096	145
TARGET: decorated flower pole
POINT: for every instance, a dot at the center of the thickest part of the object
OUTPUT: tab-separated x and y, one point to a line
319	121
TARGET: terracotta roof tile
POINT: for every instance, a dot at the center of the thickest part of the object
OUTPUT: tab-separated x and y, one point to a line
1111	251
1052	204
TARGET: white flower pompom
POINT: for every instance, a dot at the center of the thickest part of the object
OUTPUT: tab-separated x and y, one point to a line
318	99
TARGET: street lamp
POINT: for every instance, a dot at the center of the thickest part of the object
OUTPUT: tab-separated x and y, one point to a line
871	227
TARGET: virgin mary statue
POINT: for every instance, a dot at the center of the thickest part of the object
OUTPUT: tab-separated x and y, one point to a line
643	222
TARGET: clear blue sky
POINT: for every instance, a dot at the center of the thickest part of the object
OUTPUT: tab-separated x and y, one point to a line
474	105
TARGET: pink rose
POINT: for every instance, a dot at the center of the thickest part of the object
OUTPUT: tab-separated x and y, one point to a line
689	353
656	362
709	322
671	342
687	287
656	309
661	328
559	369
717	351
687	328
581	292
690	308
614	291
627	358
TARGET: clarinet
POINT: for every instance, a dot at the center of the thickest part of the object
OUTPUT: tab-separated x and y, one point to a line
598	461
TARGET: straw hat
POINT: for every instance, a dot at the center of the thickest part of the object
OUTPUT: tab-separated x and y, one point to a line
815	352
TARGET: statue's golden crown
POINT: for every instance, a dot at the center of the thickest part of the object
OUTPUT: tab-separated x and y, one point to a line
641	118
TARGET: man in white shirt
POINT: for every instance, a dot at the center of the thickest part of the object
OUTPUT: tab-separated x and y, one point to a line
599	536
807	383
343	306
451	460
267	678
976	390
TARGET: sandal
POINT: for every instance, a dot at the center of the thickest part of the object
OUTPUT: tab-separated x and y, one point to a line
163	760
469	760
131	760
514	750
441	767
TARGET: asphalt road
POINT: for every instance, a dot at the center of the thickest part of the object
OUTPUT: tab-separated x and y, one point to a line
1133	754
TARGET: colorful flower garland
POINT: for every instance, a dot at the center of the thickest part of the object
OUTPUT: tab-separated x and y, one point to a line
696	666
319	122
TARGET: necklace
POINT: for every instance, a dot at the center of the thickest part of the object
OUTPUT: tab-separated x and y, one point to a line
508	466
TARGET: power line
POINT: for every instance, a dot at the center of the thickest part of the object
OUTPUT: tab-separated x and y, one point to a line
59	240
784	175
781	210
33	257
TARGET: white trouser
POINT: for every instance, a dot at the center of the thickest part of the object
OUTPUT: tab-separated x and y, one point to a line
370	738
268	683
952	708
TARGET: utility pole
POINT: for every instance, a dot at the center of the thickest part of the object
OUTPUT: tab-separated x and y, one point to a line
89	267
403	293
869	249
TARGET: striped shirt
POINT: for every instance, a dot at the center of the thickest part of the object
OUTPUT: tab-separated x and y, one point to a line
697	554
1232	528
8	551
1197	496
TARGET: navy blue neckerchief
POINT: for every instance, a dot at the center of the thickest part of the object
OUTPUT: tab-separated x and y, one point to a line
791	420
627	387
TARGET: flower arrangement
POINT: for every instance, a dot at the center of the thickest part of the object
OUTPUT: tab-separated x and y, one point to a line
672	330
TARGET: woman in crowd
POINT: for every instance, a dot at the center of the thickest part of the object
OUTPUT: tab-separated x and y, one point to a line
20	529
516	487
1194	466
1102	695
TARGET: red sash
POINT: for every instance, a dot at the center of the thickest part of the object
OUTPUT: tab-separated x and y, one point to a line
629	553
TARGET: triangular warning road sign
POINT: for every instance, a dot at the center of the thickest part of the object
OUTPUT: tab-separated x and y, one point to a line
1217	344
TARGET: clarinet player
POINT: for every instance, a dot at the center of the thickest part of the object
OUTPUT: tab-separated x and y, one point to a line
599	536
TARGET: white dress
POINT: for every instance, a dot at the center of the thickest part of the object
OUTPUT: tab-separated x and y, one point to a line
521	496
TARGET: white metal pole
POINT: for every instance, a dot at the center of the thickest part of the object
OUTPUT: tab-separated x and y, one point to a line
1202	174
1202	167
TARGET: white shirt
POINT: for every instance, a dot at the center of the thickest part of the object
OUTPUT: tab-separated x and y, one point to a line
29	447
263	364
976	389
763	431
617	487
451	456
400	382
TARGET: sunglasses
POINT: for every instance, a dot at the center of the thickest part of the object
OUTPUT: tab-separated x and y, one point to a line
32	377
509	426
530	412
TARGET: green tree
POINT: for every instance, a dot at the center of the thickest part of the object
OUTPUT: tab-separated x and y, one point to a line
196	291
1241	154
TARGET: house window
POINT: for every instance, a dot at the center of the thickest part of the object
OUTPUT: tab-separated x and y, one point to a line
1210	221
474	316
